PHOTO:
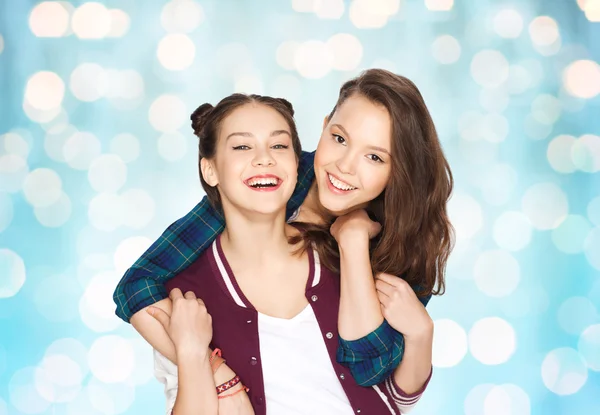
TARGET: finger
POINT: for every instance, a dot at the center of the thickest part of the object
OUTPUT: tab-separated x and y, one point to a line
384	300
162	317
175	294
201	302
390	279
189	295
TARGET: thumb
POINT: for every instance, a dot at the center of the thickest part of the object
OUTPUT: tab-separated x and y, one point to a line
160	315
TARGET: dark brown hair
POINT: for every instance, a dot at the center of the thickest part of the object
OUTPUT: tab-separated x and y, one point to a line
416	236
206	122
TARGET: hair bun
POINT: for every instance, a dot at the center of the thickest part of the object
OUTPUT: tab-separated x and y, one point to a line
199	117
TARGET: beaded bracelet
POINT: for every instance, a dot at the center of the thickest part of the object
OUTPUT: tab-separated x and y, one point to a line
244	389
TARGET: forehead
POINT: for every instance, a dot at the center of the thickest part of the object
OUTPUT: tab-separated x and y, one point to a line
255	118
364	120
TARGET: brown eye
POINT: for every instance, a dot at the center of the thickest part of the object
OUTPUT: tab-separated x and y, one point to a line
374	157
339	139
242	147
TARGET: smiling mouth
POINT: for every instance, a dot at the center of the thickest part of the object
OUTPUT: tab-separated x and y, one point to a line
263	182
338	184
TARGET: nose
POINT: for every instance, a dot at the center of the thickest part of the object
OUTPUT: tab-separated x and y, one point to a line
346	164
263	158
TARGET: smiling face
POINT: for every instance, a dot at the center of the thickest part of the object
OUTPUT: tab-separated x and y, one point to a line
255	167
353	162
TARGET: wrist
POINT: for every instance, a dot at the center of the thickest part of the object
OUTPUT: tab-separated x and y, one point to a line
421	337
191	352
353	239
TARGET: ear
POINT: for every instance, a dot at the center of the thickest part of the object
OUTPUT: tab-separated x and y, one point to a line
209	173
325	121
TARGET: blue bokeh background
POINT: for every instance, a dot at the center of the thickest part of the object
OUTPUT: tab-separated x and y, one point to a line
97	157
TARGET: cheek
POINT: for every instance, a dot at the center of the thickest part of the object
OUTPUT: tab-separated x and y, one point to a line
376	179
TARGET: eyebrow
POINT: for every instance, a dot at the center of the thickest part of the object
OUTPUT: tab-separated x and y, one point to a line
246	134
376	148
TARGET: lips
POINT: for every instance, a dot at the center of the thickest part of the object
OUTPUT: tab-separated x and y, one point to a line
263	182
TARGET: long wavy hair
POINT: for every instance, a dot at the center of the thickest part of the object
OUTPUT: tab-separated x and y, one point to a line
417	236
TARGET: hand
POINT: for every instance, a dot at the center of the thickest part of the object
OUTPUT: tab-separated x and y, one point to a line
401	307
357	221
190	325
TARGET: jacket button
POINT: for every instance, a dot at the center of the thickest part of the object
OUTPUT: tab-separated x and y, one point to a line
249	321
358	411
260	400
253	361
329	335
314	298
342	376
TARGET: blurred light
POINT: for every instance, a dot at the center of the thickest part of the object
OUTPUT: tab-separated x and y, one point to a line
50	19
466	215
110	399
489	68
559	154
497	273
126	146
80	149
498	183
585	153
107	173
494	99
508	23
492	341
172	146
105	212
58	379
91	20
55	214
313	59
42	187
591	248
519	79
372	14
167	113
304	6
506	399
233	59
570	235
589	347
439	5
248	84
44	91
6	210
575	314
176	52
12	269
286	53
546	205
55	140
582	79
92	264
119	23
88	82
23	393
111	359
139	208
470	125
564	371
128	251
15	144
535	129
449	343
73	349
41	116
593	211
329	9
543	31
546	109
474	401
446	49
347	51
1	44
181	16
592	10
512	231
494	128
13	171
96	306
142	372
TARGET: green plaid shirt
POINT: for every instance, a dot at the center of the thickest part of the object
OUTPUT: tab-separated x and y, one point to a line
371	359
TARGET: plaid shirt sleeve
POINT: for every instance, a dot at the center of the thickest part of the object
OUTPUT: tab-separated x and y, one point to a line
181	244
373	358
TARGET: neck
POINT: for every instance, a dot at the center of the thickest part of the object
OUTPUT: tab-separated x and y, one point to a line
312	209
255	239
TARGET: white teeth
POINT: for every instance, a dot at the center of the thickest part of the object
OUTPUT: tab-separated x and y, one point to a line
339	184
263	181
